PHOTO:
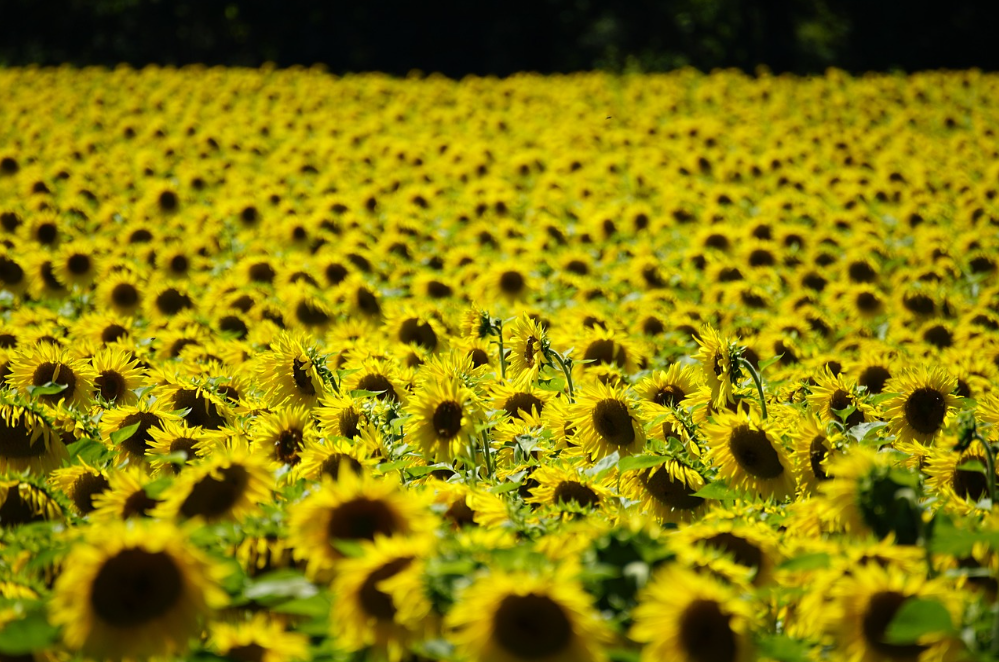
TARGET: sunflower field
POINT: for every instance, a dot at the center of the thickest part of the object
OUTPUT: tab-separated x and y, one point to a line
581	368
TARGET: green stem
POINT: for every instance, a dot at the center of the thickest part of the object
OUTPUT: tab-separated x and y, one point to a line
759	384
487	454
502	351
990	467
565	371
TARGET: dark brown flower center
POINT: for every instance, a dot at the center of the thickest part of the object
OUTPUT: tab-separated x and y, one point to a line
519	404
287	445
447	419
613	423
925	410
361	519
57	373
15	440
841	400
331	465
375	602
816	453
879	613
138	443
512	283
85	488
969	484
532	627
110	384
742	551
124	295
669	395
212	497
419	333
669	491
135	587
754	452
706	634
570	491
303	381
874	378
379	384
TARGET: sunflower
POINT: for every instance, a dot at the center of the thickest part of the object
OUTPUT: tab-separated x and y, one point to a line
355	507
540	616
716	364
963	488
667	491
607	420
290	374
444	418
263	553
749	455
737	550
568	489
868	599
261	638
26	500
811	448
690	617
125	498
665	391
126	430
519	398
131	590
118	375
527	339
280	435
381	604
377	375
80	483
121	293
341	416
921	408
48	368
832	394
324	457
176	436
28	441
76	264
229	485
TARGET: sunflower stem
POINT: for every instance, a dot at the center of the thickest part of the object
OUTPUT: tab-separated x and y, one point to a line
990	466
566	370
759	384
502	352
486	453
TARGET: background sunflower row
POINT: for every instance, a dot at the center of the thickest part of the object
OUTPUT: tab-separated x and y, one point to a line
299	367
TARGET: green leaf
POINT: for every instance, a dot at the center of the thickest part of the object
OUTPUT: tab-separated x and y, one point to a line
918	617
784	649
279	586
391	466
125	433
361	393
844	414
154	489
811	561
604	465
176	457
633	462
882	397
717	490
50	388
31	634
350	548
90	451
503	488
316	606
769	362
423	470
863	431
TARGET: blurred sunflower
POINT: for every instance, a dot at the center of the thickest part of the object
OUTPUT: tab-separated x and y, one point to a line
667	491
921	408
749	455
133	591
513	616
260	638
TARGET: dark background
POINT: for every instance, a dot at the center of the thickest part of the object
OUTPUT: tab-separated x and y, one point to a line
484	37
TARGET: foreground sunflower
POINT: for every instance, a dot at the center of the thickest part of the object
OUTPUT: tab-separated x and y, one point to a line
509	617
607	419
355	507
689	617
381	605
923	404
230	485
47	364
130	591
444	418
869	598
749	455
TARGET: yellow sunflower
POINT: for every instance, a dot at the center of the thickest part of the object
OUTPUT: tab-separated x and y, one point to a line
867	600
289	374
260	638
80	483
716	361
26	500
279	436
355	507
691	617
749	455
527	338
667	491
117	376
962	488
811	448
125	498
57	376
830	394
381	603
444	418
131	590
127	430
569	489
924	402
229	485
606	420
28	441
542	616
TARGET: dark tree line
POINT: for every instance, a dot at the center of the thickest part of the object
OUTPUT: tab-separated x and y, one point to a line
458	37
